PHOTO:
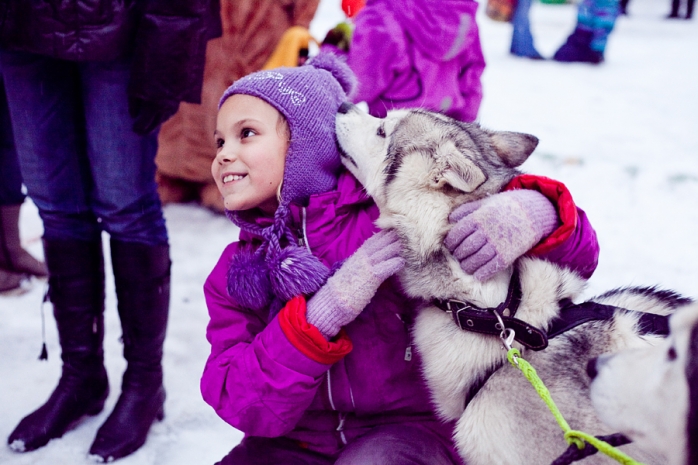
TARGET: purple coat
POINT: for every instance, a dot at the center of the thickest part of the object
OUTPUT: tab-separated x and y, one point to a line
262	381
418	53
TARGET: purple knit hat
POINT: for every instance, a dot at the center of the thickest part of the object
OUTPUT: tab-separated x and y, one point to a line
308	97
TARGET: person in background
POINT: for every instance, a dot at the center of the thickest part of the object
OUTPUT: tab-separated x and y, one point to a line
251	31
676	5
522	39
587	43
15	262
418	53
88	85
311	353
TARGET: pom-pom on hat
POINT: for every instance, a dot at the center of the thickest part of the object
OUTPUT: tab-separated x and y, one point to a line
308	97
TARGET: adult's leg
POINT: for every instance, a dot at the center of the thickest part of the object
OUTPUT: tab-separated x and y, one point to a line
273	451
522	39
407	444
10	188
126	201
45	108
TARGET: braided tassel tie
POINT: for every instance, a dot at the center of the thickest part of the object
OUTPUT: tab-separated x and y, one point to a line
577	438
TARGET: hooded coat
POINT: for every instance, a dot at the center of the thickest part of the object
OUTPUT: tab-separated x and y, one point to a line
418	53
166	39
278	376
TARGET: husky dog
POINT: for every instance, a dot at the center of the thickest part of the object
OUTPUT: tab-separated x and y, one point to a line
418	166
651	394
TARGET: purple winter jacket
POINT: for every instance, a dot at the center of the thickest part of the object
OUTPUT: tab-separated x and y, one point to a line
259	379
418	53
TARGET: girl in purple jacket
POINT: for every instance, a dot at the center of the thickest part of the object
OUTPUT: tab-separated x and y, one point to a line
418	53
314	366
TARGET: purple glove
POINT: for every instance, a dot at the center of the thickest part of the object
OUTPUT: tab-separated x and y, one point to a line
490	234
352	287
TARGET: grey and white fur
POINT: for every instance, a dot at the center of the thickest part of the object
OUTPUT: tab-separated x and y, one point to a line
418	166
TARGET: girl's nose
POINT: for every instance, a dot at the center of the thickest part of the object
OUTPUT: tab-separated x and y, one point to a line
225	155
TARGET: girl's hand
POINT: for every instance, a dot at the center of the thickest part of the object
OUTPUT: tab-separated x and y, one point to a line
490	234
353	286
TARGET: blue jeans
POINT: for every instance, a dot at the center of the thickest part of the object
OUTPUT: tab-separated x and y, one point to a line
522	39
83	166
408	444
10	176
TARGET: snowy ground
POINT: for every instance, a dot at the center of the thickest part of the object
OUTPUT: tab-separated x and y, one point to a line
622	136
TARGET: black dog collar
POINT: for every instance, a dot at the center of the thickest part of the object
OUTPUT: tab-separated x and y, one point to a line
470	317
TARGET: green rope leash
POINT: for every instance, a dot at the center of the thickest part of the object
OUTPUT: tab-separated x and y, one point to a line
571	436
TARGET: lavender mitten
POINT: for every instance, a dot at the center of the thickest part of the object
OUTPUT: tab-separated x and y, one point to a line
352	287
490	234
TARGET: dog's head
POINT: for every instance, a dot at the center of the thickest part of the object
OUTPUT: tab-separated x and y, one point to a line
651	394
412	151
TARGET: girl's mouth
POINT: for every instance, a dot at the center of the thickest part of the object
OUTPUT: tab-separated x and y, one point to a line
232	177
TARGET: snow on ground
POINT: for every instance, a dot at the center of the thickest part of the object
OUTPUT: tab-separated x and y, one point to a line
622	136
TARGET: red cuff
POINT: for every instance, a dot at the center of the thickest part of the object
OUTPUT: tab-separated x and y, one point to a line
558	194
307	338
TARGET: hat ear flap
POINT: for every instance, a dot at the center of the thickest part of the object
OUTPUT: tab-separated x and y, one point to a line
339	70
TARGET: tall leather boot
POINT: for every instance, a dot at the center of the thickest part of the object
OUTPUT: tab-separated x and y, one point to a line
76	289
142	278
689	9
12	256
675	4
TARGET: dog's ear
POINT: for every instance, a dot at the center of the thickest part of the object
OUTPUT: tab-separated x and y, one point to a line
457	170
513	147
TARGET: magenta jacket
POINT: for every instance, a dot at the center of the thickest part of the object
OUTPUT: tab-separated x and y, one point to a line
418	53
283	378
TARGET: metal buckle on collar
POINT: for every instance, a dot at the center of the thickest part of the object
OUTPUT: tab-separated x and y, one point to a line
454	307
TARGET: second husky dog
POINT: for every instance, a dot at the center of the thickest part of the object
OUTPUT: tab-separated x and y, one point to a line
651	394
418	166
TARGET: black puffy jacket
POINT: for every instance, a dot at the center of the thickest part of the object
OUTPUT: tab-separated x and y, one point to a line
167	38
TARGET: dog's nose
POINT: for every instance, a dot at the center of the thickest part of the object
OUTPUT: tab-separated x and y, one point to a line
345	107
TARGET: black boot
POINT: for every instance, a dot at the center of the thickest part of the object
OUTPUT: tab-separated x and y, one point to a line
577	48
76	289
689	9
674	9
142	278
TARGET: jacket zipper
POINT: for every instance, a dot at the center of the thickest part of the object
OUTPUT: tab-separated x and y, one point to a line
303	236
341	416
303	239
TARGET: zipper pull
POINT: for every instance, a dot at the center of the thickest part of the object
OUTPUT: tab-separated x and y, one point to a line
408	354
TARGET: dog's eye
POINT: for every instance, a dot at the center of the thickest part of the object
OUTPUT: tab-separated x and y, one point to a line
671	355
381	131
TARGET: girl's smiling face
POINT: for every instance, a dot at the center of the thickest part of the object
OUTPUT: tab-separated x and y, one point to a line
251	139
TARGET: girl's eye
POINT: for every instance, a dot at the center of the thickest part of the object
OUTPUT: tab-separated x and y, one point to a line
247	132
381	131
219	143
